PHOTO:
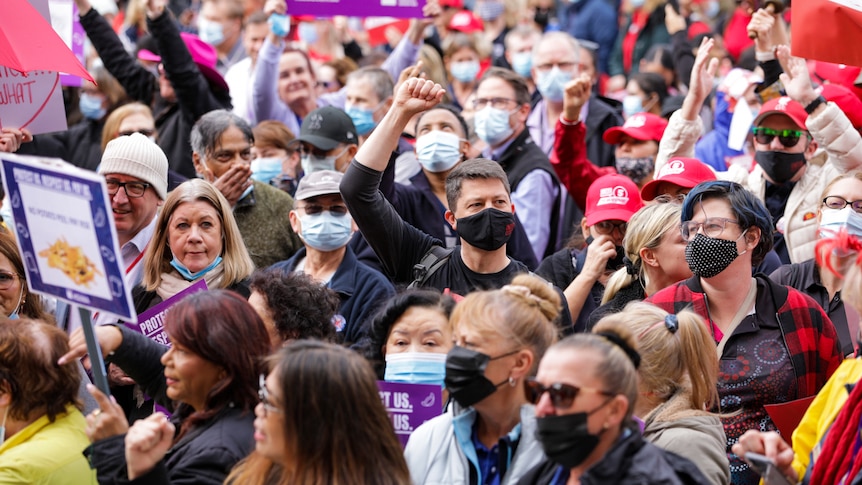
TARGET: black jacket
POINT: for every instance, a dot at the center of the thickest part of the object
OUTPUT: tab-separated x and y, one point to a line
601	117
195	96
80	145
632	461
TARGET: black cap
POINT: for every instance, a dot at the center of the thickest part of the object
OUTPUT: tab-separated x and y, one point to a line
326	127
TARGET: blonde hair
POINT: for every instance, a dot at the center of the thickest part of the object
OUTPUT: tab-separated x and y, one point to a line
236	261
645	230
524	312
456	41
828	189
115	119
672	360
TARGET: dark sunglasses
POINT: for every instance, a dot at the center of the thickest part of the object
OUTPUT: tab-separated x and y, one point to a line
788	138
562	395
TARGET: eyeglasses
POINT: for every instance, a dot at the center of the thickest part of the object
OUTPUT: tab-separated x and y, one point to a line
145	131
838	203
712	227
314	209
496	103
788	138
562	395
607	227
133	189
263	394
6	280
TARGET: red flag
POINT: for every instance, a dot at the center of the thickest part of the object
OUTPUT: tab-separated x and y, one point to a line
827	30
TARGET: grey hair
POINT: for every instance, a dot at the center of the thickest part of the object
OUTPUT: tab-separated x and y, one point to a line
209	128
380	80
559	37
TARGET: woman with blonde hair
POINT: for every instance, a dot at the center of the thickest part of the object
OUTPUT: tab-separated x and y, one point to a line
676	384
127	119
654	258
500	335
349	440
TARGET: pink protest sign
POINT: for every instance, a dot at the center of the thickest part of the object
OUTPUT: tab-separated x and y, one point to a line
410	405
357	8
151	323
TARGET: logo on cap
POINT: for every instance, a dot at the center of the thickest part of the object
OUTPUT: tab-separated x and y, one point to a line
315	121
673	168
635	121
618	195
782	103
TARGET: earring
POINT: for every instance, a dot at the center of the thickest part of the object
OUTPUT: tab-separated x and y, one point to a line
512	381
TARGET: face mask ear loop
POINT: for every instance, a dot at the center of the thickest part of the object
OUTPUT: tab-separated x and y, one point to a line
18	306
3	425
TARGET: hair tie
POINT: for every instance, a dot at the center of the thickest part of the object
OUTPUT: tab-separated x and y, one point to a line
630	352
630	266
671	322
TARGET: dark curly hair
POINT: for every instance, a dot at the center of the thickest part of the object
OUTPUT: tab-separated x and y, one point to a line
300	307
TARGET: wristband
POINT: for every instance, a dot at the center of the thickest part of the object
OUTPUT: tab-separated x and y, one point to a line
810	107
764	56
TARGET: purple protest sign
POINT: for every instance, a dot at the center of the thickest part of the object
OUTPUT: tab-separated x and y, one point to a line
410	405
403	9
151	323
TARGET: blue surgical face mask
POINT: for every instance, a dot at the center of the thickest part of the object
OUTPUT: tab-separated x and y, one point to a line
632	104
492	125
438	151
307	32
3	425
14	314
187	274
833	220
265	169
279	24
490	9
637	3
91	107
711	9
312	163
465	71
210	32
415	368
363	118
522	63
552	84
325	231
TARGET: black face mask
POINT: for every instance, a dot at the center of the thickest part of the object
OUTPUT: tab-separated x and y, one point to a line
566	439
617	261
465	375
542	17
489	229
780	166
707	256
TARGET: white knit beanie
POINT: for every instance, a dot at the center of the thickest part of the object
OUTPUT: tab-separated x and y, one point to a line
137	156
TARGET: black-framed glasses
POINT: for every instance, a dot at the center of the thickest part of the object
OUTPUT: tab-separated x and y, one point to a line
712	227
496	103
607	227
133	189
837	202
788	138
263	394
144	131
7	279
314	209
562	395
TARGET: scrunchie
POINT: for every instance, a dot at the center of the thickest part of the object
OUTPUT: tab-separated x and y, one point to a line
630	266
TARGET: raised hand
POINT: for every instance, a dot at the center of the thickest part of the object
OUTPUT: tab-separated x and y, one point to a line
673	21
274	6
575	95
416	95
702	79
795	78
109	337
109	420
155	8
147	442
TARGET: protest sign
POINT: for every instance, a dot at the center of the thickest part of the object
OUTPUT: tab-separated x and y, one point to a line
410	405
65	232
376	27
403	9
32	100
151	323
64	19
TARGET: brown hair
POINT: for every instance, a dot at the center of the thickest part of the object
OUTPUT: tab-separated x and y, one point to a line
324	388
271	133
522	91
29	351
31	303
342	66
671	360
474	169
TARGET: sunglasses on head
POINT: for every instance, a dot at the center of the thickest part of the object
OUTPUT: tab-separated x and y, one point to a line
788	138
562	395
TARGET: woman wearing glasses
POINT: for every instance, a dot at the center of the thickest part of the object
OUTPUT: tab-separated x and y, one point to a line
775	344
676	384
16	301
585	394
298	440
210	372
487	435
841	210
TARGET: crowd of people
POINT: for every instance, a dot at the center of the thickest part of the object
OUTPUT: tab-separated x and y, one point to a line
613	233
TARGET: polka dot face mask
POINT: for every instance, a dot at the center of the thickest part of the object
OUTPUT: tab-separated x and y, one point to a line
707	256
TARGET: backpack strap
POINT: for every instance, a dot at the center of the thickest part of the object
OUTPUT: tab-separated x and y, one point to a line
433	259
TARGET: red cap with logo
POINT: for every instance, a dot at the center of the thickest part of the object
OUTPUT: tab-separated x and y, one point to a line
612	197
640	126
786	106
685	172
848	102
467	22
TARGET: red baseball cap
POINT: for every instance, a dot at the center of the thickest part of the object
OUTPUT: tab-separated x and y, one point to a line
612	197
467	22
685	172
846	100
451	3
641	126
786	106
842	74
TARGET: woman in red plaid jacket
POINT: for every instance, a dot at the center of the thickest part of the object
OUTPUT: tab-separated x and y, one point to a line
775	343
